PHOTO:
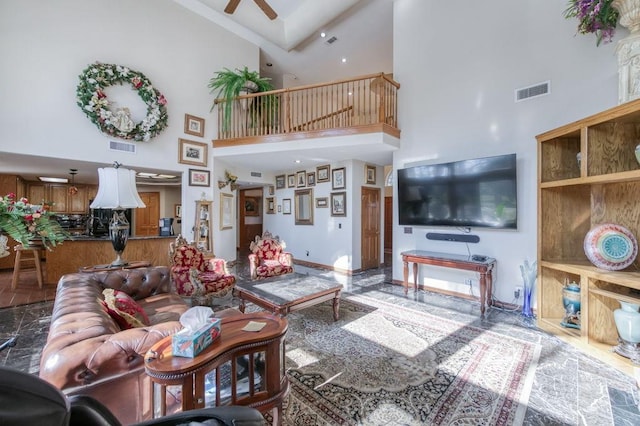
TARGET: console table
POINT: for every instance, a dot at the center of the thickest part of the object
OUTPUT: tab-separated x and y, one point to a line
238	368
456	261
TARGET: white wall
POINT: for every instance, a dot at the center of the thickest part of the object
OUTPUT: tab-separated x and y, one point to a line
45	45
459	63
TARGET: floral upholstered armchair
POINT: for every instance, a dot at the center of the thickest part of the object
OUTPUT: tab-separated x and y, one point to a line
268	257
206	281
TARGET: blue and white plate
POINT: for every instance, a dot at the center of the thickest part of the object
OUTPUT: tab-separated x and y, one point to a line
610	247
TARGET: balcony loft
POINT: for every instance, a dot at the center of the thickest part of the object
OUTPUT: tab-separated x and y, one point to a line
355	118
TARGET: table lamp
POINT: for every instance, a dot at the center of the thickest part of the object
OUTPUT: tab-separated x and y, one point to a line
117	191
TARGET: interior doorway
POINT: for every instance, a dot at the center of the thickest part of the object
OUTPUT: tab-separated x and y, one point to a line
147	220
249	218
370	228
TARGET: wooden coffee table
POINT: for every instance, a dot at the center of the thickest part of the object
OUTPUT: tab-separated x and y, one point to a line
289	293
213	376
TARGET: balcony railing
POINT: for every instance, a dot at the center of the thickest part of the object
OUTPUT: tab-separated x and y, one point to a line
359	101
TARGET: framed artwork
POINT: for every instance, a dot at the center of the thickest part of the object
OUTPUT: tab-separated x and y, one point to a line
280	182
338	178
322	202
199	177
311	179
191	152
271	205
193	125
226	211
271	190
323	173
301	179
251	206
338	204
291	181
286	206
177	211
370	173
303	204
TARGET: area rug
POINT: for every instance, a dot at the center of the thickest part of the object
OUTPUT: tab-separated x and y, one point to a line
382	364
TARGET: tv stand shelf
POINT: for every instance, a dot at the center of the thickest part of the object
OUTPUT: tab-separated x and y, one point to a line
484	268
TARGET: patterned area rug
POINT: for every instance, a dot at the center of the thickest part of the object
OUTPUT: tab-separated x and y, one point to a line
382	364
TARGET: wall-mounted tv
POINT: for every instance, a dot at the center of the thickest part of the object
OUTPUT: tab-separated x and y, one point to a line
480	192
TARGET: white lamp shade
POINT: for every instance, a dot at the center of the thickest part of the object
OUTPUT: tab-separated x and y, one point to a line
117	190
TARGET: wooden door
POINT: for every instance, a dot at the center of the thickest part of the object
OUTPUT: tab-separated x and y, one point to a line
388	224
147	220
370	228
248	229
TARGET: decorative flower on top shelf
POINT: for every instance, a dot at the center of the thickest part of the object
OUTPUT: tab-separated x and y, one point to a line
594	16
29	223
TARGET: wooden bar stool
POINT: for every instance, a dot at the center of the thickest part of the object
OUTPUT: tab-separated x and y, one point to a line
32	259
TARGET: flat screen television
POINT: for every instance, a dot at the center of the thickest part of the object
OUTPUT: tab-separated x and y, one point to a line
480	192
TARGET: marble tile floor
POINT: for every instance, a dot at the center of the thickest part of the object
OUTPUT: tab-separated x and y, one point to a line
570	388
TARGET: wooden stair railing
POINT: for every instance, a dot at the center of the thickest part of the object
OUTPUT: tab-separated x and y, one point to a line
359	101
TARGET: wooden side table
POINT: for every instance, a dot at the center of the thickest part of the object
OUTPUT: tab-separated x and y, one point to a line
238	368
131	265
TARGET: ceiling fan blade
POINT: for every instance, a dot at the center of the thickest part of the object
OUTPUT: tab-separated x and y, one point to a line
262	4
231	6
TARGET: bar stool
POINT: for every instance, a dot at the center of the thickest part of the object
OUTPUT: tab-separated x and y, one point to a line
32	256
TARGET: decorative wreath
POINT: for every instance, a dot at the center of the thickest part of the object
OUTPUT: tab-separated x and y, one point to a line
94	103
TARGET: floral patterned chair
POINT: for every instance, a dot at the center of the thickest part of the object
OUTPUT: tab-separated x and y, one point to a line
206	281
268	258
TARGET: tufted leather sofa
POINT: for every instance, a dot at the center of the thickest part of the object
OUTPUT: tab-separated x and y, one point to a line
86	353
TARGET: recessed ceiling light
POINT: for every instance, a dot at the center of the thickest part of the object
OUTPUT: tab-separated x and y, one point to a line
53	179
323	34
146	175
344	60
269	64
297	161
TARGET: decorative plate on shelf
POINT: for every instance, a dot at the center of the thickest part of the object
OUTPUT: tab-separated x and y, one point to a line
610	247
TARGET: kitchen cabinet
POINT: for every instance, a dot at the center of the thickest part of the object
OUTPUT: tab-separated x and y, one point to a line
58	194
10	184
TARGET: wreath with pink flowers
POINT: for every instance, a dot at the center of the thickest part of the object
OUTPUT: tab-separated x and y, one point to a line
93	101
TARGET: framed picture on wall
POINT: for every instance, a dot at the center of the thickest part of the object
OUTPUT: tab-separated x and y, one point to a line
270	203
251	206
191	152
370	174
323	173
199	177
338	178
280	182
291	181
301	179
322	202
177	211
338	204
286	206
311	179
193	125
226	211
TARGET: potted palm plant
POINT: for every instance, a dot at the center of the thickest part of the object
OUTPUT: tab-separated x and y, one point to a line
227	85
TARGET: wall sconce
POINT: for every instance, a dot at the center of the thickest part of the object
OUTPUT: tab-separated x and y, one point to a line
230	179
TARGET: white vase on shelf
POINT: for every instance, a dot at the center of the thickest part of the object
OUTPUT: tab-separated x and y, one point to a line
628	50
627	319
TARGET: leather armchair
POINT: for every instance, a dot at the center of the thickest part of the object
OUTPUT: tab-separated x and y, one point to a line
206	281
25	399
268	258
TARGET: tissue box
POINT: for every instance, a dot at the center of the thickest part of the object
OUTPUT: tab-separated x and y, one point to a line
187	343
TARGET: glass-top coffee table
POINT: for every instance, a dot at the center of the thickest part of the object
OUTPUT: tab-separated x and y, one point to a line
289	293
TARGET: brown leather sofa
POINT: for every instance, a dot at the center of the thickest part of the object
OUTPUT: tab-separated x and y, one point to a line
86	352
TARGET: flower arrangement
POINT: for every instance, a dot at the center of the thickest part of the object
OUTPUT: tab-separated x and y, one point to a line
95	104
594	16
28	223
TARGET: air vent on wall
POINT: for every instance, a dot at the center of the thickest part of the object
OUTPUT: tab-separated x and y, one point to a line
256	174
122	146
539	89
331	40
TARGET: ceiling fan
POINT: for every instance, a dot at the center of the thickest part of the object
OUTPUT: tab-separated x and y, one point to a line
262	4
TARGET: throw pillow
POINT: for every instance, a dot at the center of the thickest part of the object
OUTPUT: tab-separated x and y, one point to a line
124	310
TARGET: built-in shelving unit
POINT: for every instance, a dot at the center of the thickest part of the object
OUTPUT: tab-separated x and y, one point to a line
203	233
573	197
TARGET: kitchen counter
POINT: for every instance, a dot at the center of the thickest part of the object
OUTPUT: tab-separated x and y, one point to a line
80	251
